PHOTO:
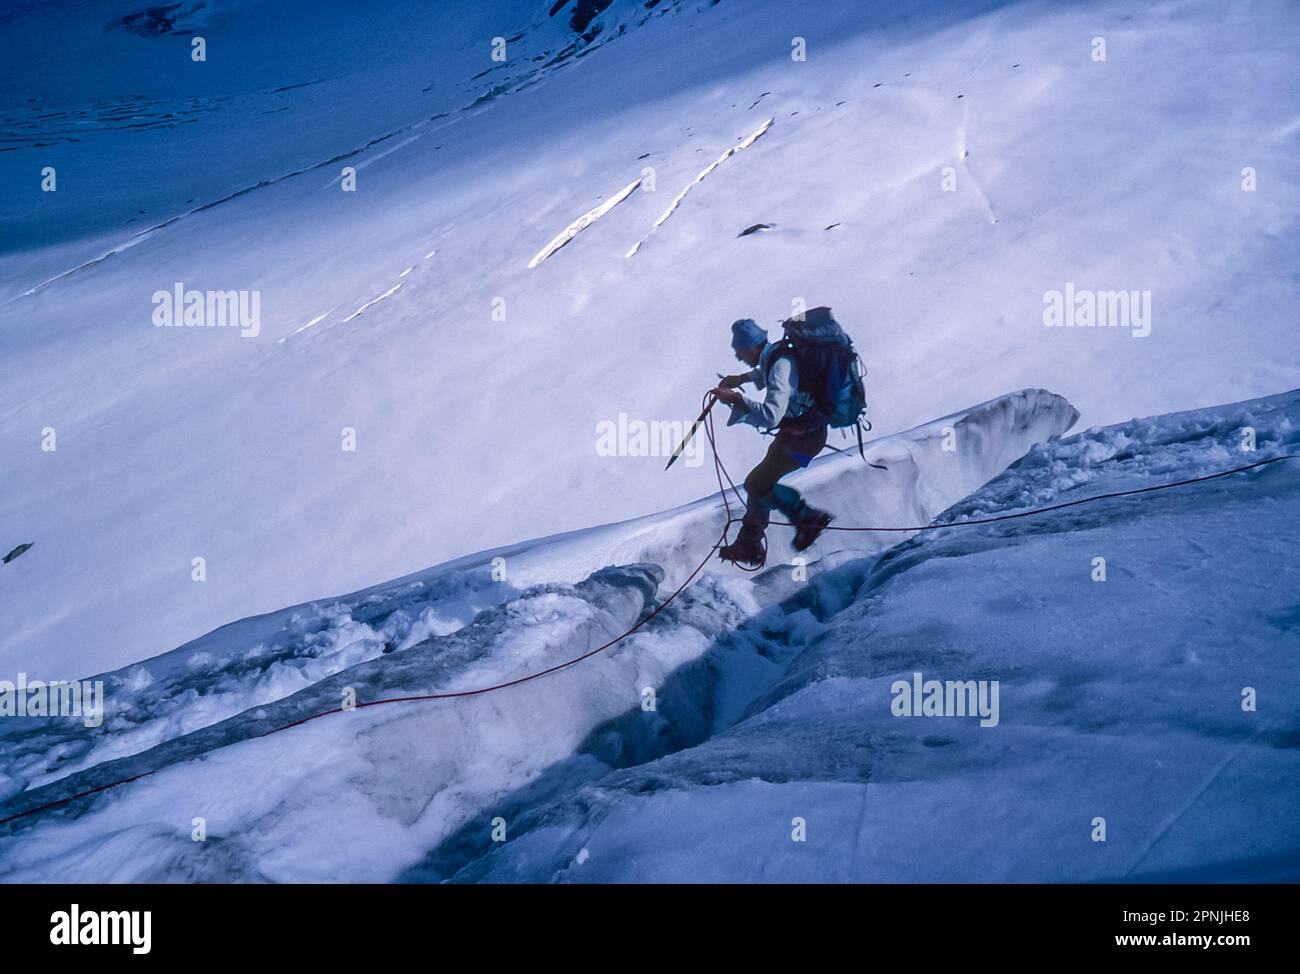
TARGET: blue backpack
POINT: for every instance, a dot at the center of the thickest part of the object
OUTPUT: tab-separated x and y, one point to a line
830	370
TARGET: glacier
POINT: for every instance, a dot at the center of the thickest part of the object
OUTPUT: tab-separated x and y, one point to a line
770	703
463	266
473	622
180	443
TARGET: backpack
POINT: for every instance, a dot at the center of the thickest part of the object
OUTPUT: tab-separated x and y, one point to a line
830	371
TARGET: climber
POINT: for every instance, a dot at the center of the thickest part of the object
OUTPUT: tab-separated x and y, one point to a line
801	427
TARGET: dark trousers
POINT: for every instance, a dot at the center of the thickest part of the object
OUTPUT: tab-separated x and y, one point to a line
763	494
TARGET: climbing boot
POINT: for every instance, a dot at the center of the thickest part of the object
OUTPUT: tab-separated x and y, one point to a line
809	526
748	550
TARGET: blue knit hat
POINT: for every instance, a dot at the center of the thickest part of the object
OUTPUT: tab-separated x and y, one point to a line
745	333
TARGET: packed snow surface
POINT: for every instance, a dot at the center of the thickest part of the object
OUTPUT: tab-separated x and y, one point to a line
930	171
771	697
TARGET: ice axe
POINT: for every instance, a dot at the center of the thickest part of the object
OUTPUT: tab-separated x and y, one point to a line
690	433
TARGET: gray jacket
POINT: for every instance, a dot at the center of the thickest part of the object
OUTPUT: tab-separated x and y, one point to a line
780	381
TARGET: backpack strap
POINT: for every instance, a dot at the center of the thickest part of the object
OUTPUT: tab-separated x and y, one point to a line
861	452
780	347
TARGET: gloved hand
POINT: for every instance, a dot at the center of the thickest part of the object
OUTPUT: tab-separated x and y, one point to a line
730	396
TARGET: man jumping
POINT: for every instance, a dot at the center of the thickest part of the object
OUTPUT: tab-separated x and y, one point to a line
774	370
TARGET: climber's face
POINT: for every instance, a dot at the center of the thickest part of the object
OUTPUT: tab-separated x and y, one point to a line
749	355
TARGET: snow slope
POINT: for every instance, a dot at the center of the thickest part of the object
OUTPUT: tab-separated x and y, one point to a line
190	718
381	309
1120	700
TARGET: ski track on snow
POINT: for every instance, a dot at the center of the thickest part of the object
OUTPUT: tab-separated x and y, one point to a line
389	293
962	154
142	235
698	179
315	321
582	223
449	118
374	301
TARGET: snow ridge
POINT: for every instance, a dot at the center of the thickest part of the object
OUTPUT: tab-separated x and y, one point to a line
181	719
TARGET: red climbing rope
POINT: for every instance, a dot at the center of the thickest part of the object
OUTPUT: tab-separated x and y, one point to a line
722	476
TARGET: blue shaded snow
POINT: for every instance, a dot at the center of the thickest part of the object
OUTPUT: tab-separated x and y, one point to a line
1121	700
402	779
756	710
